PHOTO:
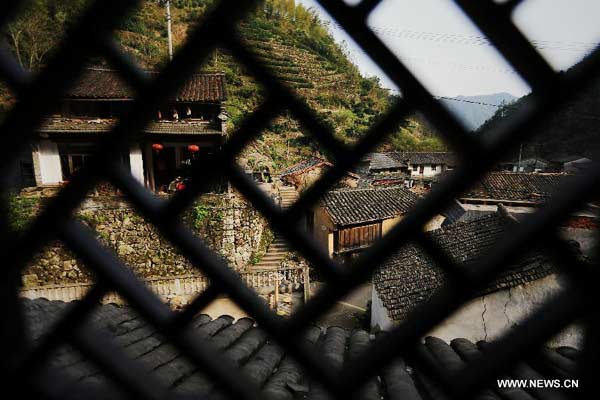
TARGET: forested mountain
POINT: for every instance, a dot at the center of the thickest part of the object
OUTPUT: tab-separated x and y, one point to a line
573	130
475	110
288	38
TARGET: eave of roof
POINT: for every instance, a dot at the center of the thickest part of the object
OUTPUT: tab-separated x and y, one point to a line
244	344
98	126
103	83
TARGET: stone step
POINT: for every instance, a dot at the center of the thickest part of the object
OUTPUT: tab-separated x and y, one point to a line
269	264
270	257
277	252
278	248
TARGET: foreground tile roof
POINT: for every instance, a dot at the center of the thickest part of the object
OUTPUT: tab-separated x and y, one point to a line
103	83
277	375
355	206
91	126
517	186
410	276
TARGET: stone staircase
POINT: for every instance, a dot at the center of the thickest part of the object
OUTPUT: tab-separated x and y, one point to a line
278	248
288	196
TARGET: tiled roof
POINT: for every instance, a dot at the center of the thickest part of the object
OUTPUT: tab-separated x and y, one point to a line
530	162
425	157
101	83
354	206
410	276
267	365
515	186
367	180
75	125
385	162
304	166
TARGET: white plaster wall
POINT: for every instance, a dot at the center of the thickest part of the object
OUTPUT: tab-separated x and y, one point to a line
49	162
586	238
379	316
137	164
427	171
489	317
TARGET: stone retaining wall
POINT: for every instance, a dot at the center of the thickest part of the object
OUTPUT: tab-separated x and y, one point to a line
229	225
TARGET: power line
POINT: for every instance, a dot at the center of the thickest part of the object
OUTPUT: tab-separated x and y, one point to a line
470	40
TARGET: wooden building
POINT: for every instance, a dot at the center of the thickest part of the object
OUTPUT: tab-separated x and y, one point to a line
350	220
188	126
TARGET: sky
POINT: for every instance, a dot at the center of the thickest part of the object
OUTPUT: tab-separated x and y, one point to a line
451	57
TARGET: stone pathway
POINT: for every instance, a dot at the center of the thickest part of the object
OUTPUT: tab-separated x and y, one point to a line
278	248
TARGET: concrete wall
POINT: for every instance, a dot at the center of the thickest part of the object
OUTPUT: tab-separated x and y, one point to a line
380	321
490	316
47	163
434	223
136	163
323	230
427	171
586	238
389	223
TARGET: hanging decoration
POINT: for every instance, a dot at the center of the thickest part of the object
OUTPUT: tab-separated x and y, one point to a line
157	147
193	148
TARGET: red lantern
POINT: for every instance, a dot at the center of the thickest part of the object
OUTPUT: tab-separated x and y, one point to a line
192	148
157	147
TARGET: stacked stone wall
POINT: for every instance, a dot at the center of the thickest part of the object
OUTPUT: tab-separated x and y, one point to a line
227	224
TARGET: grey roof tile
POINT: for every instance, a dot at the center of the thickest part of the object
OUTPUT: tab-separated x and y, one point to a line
517	186
104	83
354	206
276	373
410	276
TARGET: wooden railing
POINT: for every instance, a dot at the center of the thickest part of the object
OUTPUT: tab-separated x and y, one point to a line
184	286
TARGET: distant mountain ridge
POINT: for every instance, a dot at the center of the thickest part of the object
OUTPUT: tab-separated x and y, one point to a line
572	130
471	112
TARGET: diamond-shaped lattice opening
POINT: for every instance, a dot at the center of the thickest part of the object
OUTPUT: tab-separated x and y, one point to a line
562	35
449	56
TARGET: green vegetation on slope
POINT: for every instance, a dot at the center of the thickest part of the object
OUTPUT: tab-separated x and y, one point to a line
572	130
287	38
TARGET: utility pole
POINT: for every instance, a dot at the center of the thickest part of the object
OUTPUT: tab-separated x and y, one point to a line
167	4
520	153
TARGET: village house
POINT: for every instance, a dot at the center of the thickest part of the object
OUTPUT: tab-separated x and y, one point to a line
303	174
427	163
243	343
410	277
524	193
527	165
189	126
419	170
350	220
424	163
573	164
